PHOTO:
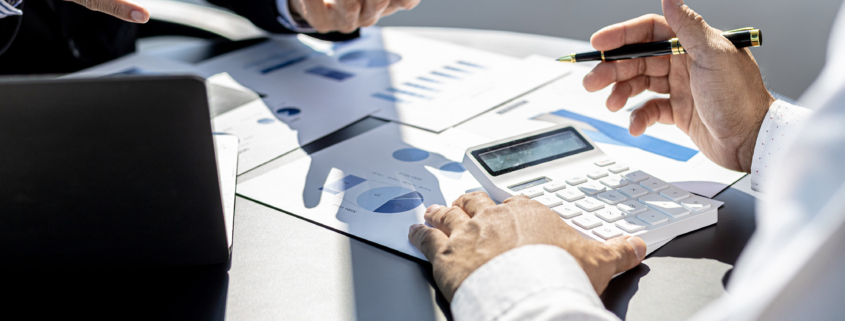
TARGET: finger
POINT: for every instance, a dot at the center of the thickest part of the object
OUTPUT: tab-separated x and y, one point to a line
607	73
647	28
516	199
371	12
473	203
689	26
398	5
635	86
629	252
655	110
429	241
344	14
126	10
446	219
316	13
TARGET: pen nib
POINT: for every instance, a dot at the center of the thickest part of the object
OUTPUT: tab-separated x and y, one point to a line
567	58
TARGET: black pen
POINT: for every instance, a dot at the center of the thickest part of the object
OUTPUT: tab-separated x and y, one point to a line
741	38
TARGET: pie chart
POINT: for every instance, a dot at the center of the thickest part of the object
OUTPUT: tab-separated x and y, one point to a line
288	111
390	199
410	155
453	170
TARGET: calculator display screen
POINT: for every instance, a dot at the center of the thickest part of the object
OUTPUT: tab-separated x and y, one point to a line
530	151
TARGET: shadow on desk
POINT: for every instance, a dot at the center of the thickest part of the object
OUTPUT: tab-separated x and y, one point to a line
698	260
185	293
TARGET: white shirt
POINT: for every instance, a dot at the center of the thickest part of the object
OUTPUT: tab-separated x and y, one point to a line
8	8
793	268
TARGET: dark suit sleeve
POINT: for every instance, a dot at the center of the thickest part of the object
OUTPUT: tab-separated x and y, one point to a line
264	14
9	27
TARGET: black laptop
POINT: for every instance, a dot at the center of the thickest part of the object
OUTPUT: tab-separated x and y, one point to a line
109	172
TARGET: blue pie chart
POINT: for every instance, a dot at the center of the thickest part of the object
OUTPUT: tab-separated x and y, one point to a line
453	170
288	111
410	154
390	199
369	58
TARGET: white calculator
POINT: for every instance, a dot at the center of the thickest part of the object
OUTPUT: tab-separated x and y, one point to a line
600	197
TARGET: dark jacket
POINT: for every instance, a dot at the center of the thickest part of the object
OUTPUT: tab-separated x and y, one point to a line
56	36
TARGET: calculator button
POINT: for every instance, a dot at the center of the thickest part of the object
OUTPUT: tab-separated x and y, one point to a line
554	186
636	177
633	191
589	204
630	225
614	181
570	195
654	185
618	168
632	207
586	221
605	162
567	210
675	194
607	232
610	214
532	192
592	188
696	203
596	174
575	180
664	205
653	217
612	197
549	200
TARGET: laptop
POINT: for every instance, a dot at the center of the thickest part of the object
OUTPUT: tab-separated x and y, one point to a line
113	172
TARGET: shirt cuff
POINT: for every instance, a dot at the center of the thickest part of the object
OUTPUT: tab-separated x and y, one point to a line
7	8
517	282
287	20
778	130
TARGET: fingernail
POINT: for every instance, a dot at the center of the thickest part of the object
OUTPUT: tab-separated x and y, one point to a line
433	208
679	2
639	246
137	16
413	227
633	116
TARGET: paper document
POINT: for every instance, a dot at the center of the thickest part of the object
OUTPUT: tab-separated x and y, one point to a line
420	82
135	65
663	150
373	186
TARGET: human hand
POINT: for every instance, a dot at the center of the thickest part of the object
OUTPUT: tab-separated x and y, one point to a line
475	230
717	95
346	15
126	10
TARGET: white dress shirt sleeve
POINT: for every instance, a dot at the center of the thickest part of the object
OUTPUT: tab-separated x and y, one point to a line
532	282
287	20
780	127
7	8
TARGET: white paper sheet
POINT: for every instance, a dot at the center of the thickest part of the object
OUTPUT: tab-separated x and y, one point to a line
420	82
670	154
373	186
137	64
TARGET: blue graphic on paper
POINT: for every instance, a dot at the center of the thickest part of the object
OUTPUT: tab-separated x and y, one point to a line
265	121
390	199
410	154
343	184
369	58
288	111
283	64
453	170
612	134
330	73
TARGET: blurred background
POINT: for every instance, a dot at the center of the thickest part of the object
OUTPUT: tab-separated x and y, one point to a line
793	53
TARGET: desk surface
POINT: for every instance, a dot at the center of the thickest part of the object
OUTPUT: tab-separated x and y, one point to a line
286	268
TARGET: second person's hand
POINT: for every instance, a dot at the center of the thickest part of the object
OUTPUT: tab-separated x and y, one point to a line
717	95
346	15
126	10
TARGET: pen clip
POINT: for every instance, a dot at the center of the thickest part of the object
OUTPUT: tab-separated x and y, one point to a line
740	29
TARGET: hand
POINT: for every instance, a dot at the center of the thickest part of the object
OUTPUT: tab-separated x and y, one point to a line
717	95
126	10
475	230
346	15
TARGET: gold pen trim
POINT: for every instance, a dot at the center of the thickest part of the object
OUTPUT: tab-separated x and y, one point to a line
602	56
677	49
755	38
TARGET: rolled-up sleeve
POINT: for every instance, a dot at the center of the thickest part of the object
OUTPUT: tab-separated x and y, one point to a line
9	8
781	125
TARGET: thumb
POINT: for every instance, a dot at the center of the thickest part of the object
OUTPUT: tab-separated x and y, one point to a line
689	26
126	10
630	251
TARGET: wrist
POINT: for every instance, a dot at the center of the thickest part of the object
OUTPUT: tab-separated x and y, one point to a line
745	152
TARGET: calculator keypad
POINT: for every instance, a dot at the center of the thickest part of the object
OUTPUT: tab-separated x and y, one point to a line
611	200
